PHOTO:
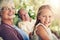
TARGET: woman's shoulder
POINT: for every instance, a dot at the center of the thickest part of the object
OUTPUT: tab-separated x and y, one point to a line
6	28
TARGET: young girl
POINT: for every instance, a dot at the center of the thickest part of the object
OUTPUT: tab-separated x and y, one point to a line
44	19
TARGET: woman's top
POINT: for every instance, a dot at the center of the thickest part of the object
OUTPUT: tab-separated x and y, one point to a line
50	34
23	34
7	32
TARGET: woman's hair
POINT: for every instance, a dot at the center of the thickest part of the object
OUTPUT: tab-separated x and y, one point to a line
1	9
39	12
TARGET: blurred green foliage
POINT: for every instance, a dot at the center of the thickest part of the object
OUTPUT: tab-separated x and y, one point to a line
30	5
32	14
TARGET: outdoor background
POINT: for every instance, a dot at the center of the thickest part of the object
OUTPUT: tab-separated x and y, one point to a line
32	7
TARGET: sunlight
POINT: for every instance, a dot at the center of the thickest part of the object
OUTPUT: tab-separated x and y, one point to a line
55	5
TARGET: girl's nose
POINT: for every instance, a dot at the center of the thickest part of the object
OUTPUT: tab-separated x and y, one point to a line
47	19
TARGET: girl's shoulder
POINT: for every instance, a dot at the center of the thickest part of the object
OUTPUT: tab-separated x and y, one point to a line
40	24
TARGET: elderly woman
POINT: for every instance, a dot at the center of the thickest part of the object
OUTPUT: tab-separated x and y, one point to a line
7	32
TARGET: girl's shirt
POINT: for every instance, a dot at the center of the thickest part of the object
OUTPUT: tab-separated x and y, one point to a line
50	34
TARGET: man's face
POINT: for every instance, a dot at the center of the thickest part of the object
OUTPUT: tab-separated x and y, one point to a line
24	15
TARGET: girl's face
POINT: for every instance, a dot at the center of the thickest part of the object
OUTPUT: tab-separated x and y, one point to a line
45	17
8	12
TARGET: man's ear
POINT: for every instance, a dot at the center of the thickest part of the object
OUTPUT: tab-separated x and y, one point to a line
39	17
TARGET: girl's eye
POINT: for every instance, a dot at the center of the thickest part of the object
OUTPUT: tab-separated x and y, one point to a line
44	16
49	16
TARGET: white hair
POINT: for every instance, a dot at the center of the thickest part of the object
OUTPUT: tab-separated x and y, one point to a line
5	3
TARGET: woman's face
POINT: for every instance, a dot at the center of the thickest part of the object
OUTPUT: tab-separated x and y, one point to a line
8	12
45	17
